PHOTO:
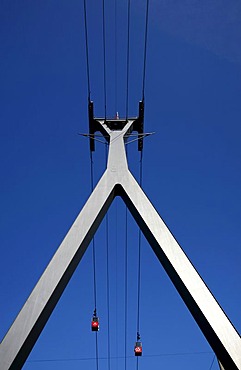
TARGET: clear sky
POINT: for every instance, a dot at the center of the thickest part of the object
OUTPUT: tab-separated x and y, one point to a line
191	170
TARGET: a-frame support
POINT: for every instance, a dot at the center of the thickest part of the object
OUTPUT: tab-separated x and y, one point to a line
118	181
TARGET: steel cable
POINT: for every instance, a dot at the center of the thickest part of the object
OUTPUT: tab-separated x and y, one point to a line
145	50
108	281
94	268
121	357
92	181
139	269
93	241
139	264
126	283
128	58
104	53
141	176
116	57
87	51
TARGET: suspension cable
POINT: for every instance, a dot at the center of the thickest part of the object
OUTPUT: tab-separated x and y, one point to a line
108	290
93	251
117	286
139	271
94	267
96	351
71	359
126	285
87	50
108	283
141	176
104	52
139	262
127	58
94	274
126	274
92	185
116	57
145	50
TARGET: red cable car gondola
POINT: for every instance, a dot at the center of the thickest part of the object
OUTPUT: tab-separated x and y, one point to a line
95	323
138	349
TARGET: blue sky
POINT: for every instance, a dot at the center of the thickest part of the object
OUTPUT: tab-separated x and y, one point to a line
191	169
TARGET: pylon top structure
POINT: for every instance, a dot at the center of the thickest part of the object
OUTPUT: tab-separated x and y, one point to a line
117	180
101	124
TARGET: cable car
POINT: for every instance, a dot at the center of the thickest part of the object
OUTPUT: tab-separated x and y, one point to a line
138	349
95	323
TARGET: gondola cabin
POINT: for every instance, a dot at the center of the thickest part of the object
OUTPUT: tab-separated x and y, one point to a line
95	324
138	349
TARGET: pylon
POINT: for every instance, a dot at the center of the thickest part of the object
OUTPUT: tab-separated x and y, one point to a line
117	180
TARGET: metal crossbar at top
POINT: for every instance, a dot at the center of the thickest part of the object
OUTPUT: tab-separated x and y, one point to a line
117	180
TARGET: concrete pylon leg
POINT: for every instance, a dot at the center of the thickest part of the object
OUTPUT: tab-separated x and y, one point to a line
118	181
